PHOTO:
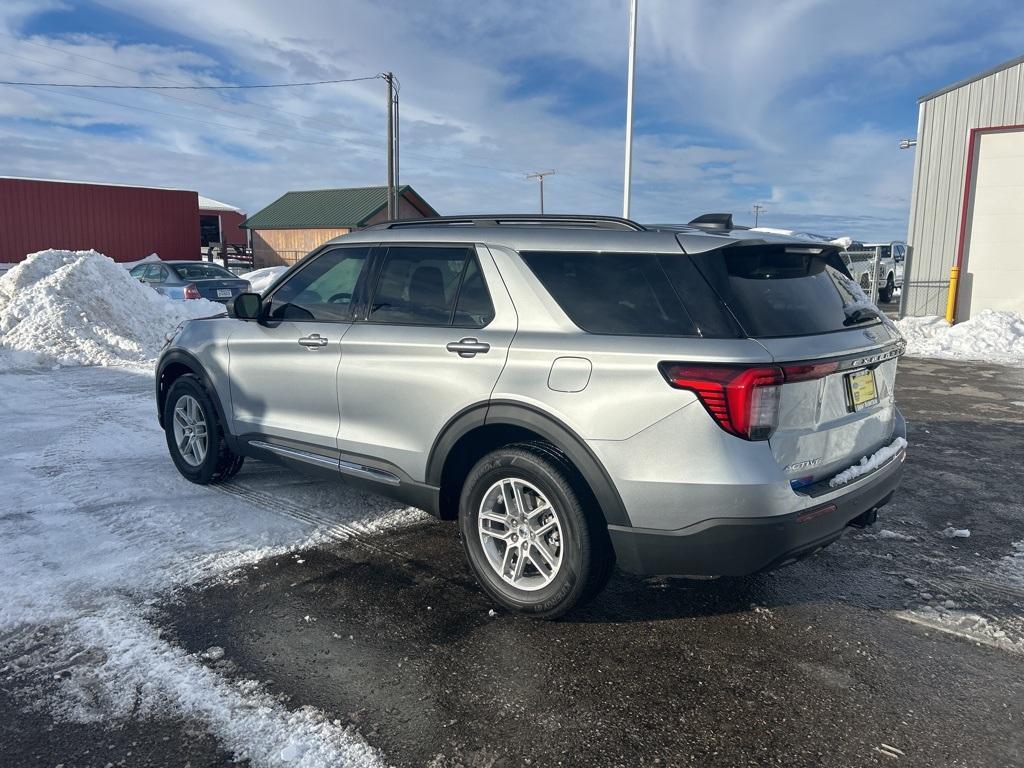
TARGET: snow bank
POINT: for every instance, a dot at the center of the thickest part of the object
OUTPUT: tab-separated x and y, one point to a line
82	308
991	336
868	463
261	279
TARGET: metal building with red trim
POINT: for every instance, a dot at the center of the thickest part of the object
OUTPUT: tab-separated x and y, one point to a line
967	205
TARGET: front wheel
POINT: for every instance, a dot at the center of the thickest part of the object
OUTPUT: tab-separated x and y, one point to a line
532	537
885	295
195	438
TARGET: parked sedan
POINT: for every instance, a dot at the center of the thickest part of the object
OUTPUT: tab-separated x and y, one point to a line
190	280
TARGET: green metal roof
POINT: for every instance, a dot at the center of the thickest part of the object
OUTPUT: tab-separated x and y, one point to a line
324	208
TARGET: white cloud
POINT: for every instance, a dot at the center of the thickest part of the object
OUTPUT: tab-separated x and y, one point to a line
736	102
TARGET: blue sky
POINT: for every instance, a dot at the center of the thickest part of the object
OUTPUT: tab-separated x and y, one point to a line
797	105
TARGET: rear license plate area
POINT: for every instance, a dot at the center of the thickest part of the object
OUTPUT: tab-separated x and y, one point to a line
861	389
223	293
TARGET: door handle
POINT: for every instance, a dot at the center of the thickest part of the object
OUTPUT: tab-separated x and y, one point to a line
468	347
313	341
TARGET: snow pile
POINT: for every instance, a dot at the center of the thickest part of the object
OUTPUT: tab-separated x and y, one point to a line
1012	566
261	279
956	533
868	463
991	336
82	308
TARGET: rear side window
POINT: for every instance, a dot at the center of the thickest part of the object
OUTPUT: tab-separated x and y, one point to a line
776	291
630	293
613	293
424	285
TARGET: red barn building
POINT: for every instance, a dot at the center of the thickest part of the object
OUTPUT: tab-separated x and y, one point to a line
125	222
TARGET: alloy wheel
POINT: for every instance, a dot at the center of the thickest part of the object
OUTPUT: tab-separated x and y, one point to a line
190	430
521	534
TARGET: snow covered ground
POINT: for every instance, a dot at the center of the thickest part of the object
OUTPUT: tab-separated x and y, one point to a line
995	337
96	523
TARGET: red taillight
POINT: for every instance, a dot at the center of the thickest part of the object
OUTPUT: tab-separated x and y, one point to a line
808	371
191	292
743	400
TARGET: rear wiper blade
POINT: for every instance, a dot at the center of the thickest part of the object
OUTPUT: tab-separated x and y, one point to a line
855	315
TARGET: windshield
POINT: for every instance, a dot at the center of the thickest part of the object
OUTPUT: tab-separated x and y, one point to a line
201	272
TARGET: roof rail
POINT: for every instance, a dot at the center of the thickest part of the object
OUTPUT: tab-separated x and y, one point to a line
516	219
713	221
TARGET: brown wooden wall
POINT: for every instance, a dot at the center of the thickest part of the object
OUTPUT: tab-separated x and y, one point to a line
271	247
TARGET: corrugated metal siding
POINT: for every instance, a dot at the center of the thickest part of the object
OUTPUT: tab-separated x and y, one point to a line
944	126
125	223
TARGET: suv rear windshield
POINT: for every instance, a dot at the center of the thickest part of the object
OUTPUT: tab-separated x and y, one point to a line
777	290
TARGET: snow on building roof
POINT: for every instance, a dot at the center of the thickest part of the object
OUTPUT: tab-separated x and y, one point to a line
95	183
209	204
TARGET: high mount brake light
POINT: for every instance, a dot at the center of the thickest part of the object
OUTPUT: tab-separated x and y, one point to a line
743	400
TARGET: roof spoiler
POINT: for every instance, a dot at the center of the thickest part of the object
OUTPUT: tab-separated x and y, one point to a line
722	221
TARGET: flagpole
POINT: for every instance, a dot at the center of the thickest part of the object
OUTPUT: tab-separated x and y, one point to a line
626	190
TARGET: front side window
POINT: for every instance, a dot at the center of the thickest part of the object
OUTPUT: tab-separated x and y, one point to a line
324	290
419	285
138	272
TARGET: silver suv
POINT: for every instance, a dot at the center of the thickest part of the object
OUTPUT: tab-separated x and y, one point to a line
576	391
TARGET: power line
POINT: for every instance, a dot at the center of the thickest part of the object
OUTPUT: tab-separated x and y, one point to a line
188	87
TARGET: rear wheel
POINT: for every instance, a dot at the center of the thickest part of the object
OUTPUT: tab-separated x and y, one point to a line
885	294
532	539
195	438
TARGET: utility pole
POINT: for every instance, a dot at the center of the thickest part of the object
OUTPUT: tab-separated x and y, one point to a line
540	177
389	78
758	210
630	78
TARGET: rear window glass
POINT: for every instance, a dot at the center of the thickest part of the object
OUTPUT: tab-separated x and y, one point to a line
775	292
613	293
201	272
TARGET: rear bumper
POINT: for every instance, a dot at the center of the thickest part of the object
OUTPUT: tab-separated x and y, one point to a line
737	546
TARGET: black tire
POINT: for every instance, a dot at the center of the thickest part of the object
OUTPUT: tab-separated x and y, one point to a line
586	551
220	462
885	294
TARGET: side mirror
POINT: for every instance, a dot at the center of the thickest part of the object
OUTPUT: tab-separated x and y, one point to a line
248	306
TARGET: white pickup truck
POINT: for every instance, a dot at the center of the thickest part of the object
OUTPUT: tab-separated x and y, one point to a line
860	259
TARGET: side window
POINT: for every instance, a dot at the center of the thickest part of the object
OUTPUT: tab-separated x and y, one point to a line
324	290
138	272
153	273
473	308
900	251
418	285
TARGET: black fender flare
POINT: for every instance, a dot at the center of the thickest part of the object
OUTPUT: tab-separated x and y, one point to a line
191	362
548	427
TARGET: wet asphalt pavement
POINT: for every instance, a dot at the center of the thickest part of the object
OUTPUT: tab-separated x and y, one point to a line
813	665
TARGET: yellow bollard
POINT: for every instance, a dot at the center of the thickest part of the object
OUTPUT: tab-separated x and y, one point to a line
954	280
